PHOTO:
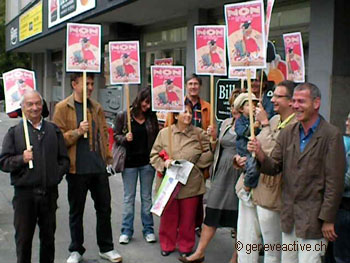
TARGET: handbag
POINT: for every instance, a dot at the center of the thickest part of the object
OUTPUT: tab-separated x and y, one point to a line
119	151
205	171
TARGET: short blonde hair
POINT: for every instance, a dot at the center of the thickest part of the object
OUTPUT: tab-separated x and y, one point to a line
234	94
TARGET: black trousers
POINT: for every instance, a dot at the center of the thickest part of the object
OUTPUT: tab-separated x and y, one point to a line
31	207
78	186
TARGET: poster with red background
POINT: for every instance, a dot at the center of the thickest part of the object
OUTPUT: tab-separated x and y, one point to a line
163	62
269	7
168	88
83	47
293	46
16	83
210	50
124	62
246	34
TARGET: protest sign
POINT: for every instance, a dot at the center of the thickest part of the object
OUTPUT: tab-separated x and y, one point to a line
246	34
210	50
83	48
293	46
124	62
167	88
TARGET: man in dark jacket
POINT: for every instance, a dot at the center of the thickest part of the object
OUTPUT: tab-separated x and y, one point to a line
310	155
36	192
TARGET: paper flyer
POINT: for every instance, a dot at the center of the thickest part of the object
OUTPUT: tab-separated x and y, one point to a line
168	88
293	46
210	50
124	62
241	73
16	83
83	45
166	188
246	34
163	62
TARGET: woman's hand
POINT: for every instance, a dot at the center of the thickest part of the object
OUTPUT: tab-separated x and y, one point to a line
239	161
129	137
211	131
168	163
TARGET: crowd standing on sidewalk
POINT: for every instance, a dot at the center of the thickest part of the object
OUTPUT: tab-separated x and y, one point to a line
300	195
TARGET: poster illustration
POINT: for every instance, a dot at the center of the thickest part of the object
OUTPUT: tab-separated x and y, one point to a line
16	83
163	61
269	7
210	50
83	52
167	88
246	34
241	73
293	46
124	62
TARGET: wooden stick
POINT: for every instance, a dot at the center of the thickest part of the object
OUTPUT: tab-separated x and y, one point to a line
170	153
251	117
84	101
128	106
211	100
261	83
242	85
26	136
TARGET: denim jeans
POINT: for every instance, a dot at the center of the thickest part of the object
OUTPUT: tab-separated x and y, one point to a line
130	175
341	247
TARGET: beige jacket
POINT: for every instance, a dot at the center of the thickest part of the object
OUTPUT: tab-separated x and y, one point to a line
66	119
267	194
186	147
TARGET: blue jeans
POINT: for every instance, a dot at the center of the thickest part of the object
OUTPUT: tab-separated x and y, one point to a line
130	175
341	247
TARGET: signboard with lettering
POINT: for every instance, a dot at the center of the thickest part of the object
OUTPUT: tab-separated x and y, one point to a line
246	34
16	83
224	88
210	50
31	22
293	46
124	62
83	47
62	10
168	88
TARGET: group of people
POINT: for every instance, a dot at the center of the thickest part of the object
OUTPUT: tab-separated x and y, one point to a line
288	194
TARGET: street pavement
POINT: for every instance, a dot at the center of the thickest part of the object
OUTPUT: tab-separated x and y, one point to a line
137	251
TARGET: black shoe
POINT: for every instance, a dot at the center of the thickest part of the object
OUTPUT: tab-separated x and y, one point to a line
184	260
165	253
184	254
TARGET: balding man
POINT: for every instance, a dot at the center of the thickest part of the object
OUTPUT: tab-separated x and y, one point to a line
36	192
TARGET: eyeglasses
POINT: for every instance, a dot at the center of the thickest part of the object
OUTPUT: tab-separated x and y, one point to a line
280	96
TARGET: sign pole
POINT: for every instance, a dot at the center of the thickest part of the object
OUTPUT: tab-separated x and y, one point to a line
261	83
169	116
128	106
84	101
26	136
251	117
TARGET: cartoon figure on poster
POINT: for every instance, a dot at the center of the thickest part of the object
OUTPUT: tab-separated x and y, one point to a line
210	50
246	34
124	62
167	88
294	57
16	83
83	47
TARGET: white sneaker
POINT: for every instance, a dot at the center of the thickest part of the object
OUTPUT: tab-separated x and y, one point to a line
74	257
124	239
112	256
150	238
